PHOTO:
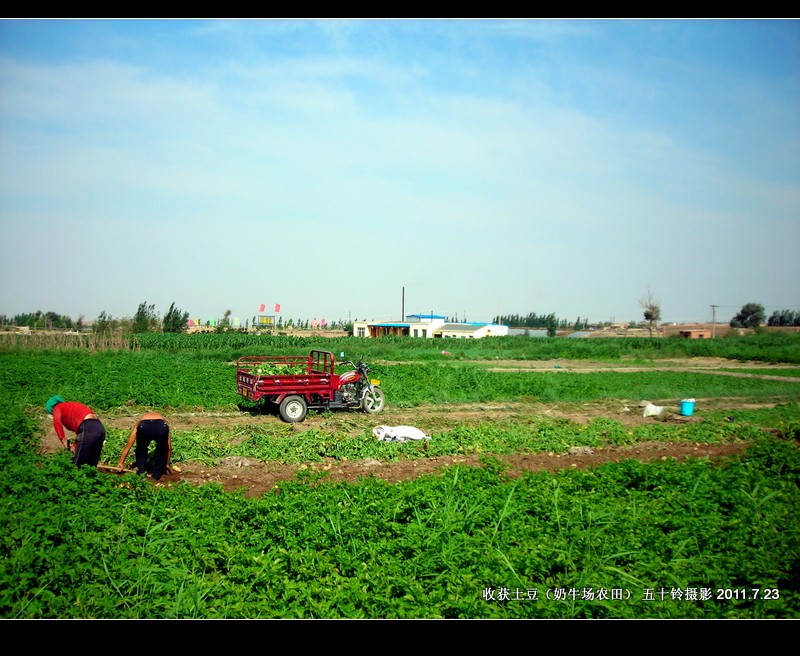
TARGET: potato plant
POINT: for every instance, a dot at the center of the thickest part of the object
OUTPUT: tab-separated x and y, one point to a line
278	369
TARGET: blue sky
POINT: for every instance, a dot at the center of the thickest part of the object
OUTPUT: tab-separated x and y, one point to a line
359	168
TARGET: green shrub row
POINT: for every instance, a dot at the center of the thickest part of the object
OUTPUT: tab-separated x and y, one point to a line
762	347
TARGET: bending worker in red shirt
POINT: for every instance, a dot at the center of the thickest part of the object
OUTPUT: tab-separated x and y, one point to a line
81	420
151	427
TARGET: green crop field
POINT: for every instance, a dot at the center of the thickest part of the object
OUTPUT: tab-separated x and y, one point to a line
695	538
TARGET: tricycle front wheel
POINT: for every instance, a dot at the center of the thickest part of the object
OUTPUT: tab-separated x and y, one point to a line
373	400
293	409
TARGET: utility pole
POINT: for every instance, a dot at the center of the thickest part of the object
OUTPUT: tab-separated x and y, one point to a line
713	321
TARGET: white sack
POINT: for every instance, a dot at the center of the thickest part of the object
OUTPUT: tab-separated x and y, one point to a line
398	433
651	410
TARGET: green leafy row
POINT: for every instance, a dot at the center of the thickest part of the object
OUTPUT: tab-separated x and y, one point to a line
524	434
765	347
111	380
768	347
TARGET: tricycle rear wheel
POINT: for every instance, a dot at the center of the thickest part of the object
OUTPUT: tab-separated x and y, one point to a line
293	409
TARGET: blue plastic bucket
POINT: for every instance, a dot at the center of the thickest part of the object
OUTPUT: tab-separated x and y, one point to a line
687	407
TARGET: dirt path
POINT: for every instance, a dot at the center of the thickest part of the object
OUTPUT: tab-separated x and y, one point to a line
700	365
260	478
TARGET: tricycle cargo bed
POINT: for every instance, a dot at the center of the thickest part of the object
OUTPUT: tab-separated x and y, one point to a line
275	376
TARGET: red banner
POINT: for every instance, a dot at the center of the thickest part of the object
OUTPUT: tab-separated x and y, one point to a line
262	307
277	307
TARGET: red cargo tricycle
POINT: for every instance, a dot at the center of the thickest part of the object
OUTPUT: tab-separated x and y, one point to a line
295	384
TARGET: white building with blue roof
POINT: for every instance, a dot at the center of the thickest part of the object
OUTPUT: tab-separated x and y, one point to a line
428	326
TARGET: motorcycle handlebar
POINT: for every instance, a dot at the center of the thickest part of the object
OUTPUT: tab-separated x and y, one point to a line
353	364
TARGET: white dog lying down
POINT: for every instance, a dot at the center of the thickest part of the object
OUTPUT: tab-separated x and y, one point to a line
398	433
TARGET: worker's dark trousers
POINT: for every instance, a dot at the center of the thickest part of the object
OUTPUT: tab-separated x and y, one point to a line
91	436
152	430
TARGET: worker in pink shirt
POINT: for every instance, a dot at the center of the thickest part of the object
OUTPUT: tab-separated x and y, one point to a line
90	434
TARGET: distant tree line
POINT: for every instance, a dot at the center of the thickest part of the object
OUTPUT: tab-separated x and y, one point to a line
42	321
753	315
175	320
146	320
541	321
784	318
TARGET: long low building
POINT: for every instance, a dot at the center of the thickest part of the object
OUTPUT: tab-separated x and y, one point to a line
428	326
